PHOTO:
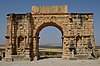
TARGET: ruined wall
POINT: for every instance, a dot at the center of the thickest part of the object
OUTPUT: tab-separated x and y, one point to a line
23	31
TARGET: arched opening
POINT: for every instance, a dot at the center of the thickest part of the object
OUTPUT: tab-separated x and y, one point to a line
48	24
20	39
79	44
50	43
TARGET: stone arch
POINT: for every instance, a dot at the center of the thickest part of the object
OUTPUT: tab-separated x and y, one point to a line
36	36
49	24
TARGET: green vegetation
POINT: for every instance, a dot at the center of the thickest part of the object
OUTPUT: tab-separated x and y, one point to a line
50	54
52	47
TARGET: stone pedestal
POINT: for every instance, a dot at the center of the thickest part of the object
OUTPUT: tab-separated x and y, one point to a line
8	59
90	55
27	55
73	55
8	56
66	56
36	58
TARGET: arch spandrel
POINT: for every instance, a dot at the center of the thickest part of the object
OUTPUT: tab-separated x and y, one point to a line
41	26
60	24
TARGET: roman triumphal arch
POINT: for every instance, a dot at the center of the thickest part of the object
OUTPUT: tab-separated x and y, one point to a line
22	37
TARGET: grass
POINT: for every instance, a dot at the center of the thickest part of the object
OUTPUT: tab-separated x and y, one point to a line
50	54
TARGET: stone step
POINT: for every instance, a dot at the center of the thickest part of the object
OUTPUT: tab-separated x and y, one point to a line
19	58
82	56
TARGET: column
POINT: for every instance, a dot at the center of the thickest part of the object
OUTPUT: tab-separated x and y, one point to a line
16	43
27	38
66	51
10	45
36	48
28	24
8	54
82	46
28	28
13	34
7	42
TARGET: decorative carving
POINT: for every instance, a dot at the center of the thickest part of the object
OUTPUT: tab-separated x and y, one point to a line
21	26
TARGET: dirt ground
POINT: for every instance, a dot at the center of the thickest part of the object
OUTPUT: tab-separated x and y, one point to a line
53	62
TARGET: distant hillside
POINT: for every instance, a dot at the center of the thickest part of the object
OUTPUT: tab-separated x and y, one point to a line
50	46
2	45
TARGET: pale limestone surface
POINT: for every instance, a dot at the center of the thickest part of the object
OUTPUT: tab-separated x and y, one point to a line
49	9
53	62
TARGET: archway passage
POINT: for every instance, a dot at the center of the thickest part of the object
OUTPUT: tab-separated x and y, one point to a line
50	43
47	51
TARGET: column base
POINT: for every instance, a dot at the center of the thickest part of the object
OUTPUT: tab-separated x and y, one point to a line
8	58
27	58
36	58
90	56
73	58
16	58
65	57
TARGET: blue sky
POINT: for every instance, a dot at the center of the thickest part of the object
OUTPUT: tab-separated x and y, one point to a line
24	6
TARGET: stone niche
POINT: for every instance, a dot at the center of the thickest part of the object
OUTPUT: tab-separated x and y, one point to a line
49	9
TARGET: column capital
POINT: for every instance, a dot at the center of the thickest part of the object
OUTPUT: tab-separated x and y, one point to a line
7	37
28	15
12	15
64	37
36	37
